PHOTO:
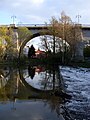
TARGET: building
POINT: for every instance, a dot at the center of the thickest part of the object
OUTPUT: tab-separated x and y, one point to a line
40	54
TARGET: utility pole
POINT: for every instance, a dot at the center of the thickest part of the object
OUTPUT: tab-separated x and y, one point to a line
13	18
78	17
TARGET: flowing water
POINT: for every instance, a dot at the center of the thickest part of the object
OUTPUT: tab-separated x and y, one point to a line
44	93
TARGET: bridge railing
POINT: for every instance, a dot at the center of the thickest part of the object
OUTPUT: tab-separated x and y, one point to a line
37	25
86	25
32	25
25	25
4	25
42	25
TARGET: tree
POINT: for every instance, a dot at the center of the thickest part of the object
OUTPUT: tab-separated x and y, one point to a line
66	32
23	33
31	52
10	41
87	51
48	41
6	41
45	43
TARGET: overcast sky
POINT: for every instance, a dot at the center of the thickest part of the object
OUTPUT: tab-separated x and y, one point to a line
41	11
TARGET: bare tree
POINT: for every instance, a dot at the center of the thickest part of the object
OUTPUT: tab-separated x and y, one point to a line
66	31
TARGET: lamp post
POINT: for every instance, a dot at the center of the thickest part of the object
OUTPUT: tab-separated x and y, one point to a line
13	18
78	17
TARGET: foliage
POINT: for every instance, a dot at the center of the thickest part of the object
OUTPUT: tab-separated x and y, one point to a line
65	34
10	39
23	33
31	52
5	40
87	51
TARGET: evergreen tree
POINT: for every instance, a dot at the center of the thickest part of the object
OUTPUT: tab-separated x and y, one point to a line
31	52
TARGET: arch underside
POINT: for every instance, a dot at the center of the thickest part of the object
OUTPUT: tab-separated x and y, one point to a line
45	32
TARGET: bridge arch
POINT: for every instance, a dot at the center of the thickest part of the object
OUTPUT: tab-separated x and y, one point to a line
30	86
39	33
46	32
78	47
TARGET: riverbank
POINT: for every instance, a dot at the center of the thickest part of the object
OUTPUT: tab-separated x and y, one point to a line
32	62
84	64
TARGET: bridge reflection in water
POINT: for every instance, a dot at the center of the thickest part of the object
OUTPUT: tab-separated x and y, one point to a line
34	83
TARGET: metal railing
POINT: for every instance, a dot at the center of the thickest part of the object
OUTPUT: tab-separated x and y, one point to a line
33	25
36	25
26	25
85	25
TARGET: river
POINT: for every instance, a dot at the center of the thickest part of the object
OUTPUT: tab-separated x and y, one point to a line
44	93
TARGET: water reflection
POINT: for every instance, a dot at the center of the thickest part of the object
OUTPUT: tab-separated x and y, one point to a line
8	83
42	84
31	71
43	77
3	76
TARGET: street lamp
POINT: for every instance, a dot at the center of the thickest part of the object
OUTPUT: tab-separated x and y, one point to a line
78	17
13	18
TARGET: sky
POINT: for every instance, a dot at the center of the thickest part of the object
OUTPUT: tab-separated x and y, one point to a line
41	11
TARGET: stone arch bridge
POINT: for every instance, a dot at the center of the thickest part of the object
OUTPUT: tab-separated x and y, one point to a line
42	29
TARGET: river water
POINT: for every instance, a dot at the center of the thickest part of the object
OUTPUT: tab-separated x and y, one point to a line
44	93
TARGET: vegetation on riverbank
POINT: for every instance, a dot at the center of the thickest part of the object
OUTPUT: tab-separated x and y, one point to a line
50	60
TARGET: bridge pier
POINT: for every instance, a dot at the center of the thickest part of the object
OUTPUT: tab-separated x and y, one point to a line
79	56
